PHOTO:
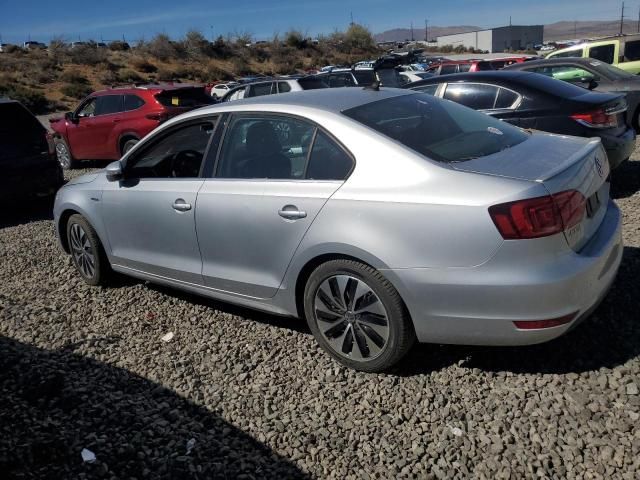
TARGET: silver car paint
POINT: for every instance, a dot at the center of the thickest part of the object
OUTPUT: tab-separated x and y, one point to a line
424	225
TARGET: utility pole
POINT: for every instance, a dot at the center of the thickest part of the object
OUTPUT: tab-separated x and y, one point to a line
351	19
426	30
211	28
638	20
575	29
622	18
412	39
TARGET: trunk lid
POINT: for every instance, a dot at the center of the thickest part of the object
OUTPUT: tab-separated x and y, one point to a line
560	163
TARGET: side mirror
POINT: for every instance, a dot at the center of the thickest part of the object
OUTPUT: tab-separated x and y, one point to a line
114	171
71	117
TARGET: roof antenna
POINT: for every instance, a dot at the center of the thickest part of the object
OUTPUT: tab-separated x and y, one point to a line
375	86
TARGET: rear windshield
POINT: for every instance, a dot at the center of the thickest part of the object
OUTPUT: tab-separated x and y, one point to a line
438	129
17	121
184	97
364	77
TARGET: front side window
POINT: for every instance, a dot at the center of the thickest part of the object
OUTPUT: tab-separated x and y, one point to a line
265	147
108	104
443	131
88	109
604	53
178	154
473	95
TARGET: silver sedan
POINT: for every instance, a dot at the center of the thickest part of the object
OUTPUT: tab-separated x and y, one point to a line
382	217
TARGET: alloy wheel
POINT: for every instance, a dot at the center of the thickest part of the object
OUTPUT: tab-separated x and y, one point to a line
63	156
351	317
82	251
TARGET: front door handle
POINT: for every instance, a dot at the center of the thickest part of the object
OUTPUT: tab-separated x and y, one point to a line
291	212
181	206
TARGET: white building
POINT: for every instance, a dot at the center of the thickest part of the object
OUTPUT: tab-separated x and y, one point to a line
514	37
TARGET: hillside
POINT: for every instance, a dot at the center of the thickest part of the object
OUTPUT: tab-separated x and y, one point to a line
564	30
57	78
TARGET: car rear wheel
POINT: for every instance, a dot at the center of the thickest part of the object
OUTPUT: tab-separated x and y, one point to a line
357	316
63	154
128	145
87	252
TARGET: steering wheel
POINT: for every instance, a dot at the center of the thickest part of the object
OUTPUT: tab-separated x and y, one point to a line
186	164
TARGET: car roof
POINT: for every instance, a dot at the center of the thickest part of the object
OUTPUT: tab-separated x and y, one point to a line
153	88
333	100
551	61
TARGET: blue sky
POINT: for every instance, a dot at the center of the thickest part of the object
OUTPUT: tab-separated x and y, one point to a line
135	19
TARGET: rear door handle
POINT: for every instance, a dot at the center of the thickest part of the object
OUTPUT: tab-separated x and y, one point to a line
181	206
291	212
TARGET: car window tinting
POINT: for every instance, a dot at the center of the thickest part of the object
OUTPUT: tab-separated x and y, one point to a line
506	98
132	102
328	161
88	109
447	69
473	95
107	104
604	53
265	147
312	83
179	154
184	97
284	87
260	89
632	51
464	67
440	130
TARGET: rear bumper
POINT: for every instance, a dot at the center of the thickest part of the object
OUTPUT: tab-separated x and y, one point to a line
477	306
619	148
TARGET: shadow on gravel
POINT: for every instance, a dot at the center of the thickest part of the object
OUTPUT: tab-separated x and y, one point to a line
56	403
26	211
290	323
625	180
610	337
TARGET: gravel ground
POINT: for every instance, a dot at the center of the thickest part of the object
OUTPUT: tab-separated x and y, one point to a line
84	367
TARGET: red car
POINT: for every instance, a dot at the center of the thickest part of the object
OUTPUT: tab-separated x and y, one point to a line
475	65
108	123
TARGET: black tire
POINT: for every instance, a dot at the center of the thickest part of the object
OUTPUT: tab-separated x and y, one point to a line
400	335
86	247
128	145
63	154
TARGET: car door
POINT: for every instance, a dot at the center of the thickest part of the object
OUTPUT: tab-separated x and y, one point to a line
264	194
79	131
150	214
107	116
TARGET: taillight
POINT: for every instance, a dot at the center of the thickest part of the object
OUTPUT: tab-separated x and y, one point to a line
597	119
540	216
158	116
538	324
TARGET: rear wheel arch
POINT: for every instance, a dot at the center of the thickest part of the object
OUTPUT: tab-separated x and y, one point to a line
124	138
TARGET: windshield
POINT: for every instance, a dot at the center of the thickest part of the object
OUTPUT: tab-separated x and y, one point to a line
438	129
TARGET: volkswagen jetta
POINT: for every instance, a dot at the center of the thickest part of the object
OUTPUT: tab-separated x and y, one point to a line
380	216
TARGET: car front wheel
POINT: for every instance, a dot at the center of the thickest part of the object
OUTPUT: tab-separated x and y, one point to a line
357	316
87	252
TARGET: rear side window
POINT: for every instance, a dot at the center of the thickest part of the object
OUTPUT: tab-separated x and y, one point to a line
184	97
442	131
107	104
284	87
365	77
328	161
464	67
132	102
341	80
259	89
569	54
312	83
484	66
473	95
447	69
604	53
632	51
430	89
506	98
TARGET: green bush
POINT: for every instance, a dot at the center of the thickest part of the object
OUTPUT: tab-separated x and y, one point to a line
32	99
76	90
